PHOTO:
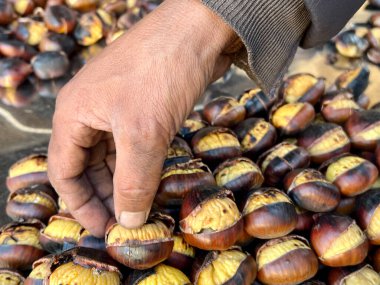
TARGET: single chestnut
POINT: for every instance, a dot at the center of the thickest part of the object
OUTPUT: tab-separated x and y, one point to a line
310	190
351	45
269	213
40	271
210	219
324	141
183	254
6	12
13	71
302	87
50	64
89	29
256	102
29	30
338	240
231	266
11	277
143	247
238	175
292	118
286	260
88	240
284	157
19	244
304	220
355	80
179	151
60	19
179	179
352	174
27	171
256	136
363	275
57	42
16	48
24	7
191	125
364	129
82	5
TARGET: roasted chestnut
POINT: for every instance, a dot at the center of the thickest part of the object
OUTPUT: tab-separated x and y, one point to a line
183	254
363	275
302	87
90	241
40	272
346	206
19	244
24	7
60	19
224	267
11	277
338	240
324	141
62	232
57	42
91	28
143	247
281	159
16	48
310	190
6	12
353	175
179	179
269	213
178	152
160	275
29	30
355	80
292	118
238	174
286	260
304	220
210	219
28	171
349	44
50	64
82	5
364	129
191	125
256	136
256	102
13	71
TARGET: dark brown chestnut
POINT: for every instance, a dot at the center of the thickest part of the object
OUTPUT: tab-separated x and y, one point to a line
82	5
16	48
346	206
24	7
11	277
355	80
183	254
304	220
324	141
351	45
281	159
310	190
50	64
29	30
302	87
89	29
292	118
284	261
256	102
6	12
231	266
90	241
57	42
190	126
13	71
19	244
256	136
179	179
363	275
143	247
269	213
178	152
338	240
210	219
60	19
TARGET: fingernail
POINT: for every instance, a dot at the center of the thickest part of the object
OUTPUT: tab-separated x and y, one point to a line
131	220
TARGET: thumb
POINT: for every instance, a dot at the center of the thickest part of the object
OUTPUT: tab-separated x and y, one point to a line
139	160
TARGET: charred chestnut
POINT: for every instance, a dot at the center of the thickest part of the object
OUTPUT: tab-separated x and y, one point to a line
281	159
143	247
13	71
29	30
349	44
324	141
90	241
224	267
160	275
338	240
353	275
183	254
60	19
82	5
50	64
269	213
286	260
292	118
57	42
210	219
89	29
19	244
15	48
256	102
310	190
24	7
6	12
11	277
302	87
355	80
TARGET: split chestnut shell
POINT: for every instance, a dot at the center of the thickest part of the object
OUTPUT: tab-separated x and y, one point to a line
160	275
183	254
363	275
256	102
355	80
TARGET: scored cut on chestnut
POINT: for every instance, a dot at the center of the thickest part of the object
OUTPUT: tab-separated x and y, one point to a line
143	247
286	260
338	240
269	213
231	266
310	190
351	45
363	275
210	219
183	254
355	80
191	126
11	277
256	102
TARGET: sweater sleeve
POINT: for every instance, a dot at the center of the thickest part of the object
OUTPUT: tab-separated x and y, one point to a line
271	31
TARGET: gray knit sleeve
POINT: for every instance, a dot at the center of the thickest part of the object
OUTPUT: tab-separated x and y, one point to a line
271	30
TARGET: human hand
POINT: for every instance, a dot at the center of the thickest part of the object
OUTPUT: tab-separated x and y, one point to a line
115	119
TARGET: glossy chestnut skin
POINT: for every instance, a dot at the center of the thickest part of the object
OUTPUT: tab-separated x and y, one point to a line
18	251
338	240
29	30
310	190
13	71
363	128
269	213
82	5
11	277
351	45
50	64
324	141
353	275
57	42
90	241
16	48
183	254
179	179
256	136
211	239
292	118
6	12
346	206
293	263
60	19
145	252
304	220
276	162
377	153
241	268
256	102
302	87
355	80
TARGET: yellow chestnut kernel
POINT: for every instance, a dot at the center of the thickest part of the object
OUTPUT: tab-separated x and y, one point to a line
166	275
302	178
181	246
181	172
258	132
36	32
344	104
283	115
193	124
370	133
365	275
34	198
281	151
41	271
333	139
32	165
71	274
298	86
349	77
21	5
63	229
341	166
10	279
248	95
223	268
21	235
232	172
262	199
62	206
216	140
373	229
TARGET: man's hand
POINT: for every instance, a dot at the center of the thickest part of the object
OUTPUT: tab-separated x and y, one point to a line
115	119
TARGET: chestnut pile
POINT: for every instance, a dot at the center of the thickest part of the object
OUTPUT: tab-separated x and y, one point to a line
253	190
